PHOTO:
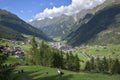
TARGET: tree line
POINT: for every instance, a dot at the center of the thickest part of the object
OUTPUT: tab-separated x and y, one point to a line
45	55
103	65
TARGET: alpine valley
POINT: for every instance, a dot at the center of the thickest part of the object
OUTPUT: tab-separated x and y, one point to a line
81	45
97	26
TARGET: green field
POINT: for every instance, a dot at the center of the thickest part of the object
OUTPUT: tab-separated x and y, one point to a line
108	51
38	73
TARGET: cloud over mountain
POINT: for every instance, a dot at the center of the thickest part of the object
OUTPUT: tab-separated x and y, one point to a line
74	7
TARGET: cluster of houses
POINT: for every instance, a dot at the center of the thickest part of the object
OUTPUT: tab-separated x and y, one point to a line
16	42
13	51
61	46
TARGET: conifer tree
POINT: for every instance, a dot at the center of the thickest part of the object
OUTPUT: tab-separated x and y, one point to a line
115	67
49	57
87	66
110	63
70	61
57	59
34	51
67	60
98	64
105	64
77	63
44	52
92	63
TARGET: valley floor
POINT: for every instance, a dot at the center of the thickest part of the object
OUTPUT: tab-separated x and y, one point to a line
39	73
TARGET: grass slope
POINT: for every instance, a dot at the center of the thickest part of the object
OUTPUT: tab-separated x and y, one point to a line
108	51
38	73
8	33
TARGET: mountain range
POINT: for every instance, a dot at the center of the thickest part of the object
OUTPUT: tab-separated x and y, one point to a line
62	25
56	27
97	26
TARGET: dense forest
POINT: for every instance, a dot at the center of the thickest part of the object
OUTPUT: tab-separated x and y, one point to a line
45	55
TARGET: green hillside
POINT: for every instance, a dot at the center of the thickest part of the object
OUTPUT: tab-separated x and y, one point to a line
39	73
15	24
9	33
103	28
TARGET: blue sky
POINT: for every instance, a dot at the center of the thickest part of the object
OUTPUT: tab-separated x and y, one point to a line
29	10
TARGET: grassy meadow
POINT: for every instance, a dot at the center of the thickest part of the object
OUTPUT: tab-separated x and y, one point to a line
39	73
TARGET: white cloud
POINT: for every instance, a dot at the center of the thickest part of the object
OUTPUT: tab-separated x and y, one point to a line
30	20
74	7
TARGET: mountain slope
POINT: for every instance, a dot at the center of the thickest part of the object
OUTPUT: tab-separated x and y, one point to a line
85	15
103	28
11	21
62	25
56	27
8	33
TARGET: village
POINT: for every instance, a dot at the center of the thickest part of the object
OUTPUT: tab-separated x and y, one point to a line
19	53
16	50
61	46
